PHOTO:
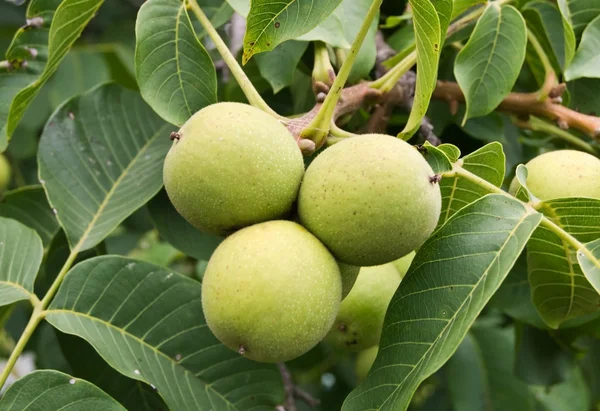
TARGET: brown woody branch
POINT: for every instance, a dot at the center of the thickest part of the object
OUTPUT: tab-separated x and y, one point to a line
526	104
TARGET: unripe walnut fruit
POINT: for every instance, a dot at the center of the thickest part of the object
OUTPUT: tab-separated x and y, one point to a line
562	173
232	165
5	173
370	199
271	291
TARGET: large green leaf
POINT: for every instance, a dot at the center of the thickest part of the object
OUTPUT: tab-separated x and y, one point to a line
55	27
487	163
100	159
430	24
544	17
147	323
177	231
174	71
21	254
451	279
559	289
45	390
586	62
271	23
480	374
579	13
29	206
488	66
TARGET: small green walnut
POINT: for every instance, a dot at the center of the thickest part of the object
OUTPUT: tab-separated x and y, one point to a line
232	165
271	291
359	322
370	199
5	173
562	173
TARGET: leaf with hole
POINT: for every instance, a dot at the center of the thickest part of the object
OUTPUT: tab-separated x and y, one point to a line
147	323
100	159
451	279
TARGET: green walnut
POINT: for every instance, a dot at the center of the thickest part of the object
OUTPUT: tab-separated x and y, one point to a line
359	321
232	165
364	362
562	173
349	275
370	199
5	173
271	291
403	264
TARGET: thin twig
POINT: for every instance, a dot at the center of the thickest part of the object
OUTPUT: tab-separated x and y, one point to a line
292	392
288	386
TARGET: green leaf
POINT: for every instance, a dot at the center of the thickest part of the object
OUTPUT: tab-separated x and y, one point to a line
278	66
177	231
579	13
480	374
452	152
559	289
87	364
451	279
539	359
437	159
48	389
545	18
29	206
62	23
584	97
586	62
271	23
100	159
147	323
590	262
430	24
21	253
487	163
488	66
174	71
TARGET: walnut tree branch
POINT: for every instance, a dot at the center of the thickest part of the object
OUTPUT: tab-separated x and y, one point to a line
526	104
